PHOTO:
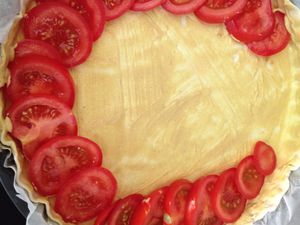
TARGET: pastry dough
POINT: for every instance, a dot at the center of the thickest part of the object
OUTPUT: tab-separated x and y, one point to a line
170	97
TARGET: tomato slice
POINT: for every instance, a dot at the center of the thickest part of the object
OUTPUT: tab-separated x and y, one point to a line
92	10
145	5
264	158
123	210
36	47
37	118
276	42
176	201
151	210
116	8
39	75
199	209
227	202
62	27
248	180
58	159
219	11
182	6
255	23
103	215
86	194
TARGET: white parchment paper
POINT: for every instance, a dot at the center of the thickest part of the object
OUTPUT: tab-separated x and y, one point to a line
287	213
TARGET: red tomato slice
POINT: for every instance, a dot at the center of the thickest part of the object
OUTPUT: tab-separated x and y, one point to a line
123	210
248	180
40	75
92	10
264	158
103	215
62	27
276	42
151	210
176	201
145	5
199	209
36	47
219	11
182	6
37	118
255	24
57	160
116	8
85	195
227	202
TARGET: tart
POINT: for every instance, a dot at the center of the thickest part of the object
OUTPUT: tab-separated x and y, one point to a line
170	97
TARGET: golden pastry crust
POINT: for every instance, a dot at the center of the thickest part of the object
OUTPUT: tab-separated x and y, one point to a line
170	97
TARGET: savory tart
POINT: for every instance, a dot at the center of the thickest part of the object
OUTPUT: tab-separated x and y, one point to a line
166	96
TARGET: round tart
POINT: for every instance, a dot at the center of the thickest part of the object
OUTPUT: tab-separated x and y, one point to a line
170	97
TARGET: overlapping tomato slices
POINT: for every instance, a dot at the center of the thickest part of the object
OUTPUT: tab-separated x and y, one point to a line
182	6
116	8
145	5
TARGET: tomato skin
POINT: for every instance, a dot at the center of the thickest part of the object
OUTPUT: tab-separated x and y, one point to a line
36	47
254	24
58	159
178	8
199	209
220	15
145	5
226	192
70	36
264	158
122	212
85	194
276	42
150	210
50	78
102	217
116	8
175	202
34	125
248	180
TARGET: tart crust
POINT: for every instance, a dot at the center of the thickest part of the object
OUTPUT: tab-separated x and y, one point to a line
170	97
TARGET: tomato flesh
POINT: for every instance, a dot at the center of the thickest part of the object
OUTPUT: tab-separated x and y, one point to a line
264	158
255	23
55	161
176	201
150	211
227	202
37	118
248	180
199	209
85	195
182	6
39	75
116	8
145	5
62	27
276	42
123	210
219	11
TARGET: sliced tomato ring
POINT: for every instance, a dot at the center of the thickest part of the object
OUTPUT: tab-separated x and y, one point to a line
103	215
276	42
264	158
123	210
255	23
151	210
37	118
248	180
85	195
36	47
219	11
62	27
116	8
35	74
58	159
176	201
227	202
182	6
145	5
